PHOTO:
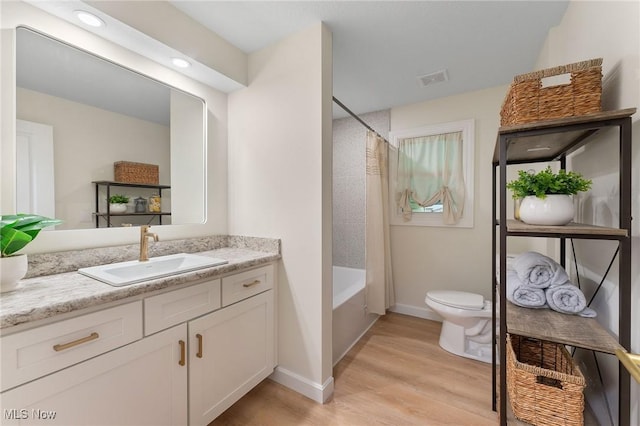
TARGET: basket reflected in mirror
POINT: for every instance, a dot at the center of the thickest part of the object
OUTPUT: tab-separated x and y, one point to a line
130	172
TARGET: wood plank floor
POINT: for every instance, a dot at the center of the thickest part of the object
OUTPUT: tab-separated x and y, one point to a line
396	375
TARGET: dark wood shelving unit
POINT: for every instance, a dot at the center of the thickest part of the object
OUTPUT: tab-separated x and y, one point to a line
547	141
108	215
517	228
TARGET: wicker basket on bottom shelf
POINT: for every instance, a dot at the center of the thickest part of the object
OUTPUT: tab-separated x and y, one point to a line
545	386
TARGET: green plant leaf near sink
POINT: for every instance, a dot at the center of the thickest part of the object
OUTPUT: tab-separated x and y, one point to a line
19	230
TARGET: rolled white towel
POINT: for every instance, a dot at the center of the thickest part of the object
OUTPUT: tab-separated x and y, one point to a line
522	295
539	271
568	299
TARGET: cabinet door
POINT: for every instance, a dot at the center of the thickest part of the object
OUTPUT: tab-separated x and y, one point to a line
230	352
139	384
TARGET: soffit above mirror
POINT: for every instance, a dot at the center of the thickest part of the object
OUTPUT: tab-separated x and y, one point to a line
131	38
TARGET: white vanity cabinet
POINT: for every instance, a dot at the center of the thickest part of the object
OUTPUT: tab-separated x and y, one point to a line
175	307
31	354
201	349
138	384
230	352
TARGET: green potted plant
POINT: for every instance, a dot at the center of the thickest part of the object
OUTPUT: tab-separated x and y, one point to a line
17	231
546	196
118	203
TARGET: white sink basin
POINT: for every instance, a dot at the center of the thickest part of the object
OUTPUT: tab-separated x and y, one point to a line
125	273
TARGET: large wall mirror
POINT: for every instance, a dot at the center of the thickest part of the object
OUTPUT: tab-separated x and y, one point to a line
78	114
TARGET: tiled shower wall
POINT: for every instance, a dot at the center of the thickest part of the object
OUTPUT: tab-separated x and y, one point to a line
349	143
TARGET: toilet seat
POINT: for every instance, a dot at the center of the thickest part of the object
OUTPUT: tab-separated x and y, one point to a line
457	299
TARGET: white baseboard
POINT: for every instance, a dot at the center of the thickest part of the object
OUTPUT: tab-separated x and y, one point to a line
315	391
416	311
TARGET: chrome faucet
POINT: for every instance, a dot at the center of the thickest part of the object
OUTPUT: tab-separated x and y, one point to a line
144	243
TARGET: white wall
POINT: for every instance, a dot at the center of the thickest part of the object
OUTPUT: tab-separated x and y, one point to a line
280	186
608	30
431	258
13	14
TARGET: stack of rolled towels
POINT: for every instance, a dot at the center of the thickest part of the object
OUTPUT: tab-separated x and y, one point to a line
537	281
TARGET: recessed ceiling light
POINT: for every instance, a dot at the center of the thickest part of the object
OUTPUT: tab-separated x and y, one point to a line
180	63
89	18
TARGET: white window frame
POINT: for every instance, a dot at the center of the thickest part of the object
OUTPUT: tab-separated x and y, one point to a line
467	127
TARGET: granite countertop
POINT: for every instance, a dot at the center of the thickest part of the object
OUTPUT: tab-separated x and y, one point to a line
46	296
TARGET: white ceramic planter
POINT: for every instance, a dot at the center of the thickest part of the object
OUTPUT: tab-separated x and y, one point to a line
117	208
12	269
555	209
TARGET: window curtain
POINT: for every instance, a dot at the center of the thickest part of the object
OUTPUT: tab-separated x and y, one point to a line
430	170
380	292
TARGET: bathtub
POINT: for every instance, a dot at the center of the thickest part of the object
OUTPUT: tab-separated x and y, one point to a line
350	318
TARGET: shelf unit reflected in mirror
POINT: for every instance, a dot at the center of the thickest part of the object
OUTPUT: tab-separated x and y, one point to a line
104	216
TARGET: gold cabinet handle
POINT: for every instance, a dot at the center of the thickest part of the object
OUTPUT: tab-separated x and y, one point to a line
199	353
183	352
251	284
631	362
62	346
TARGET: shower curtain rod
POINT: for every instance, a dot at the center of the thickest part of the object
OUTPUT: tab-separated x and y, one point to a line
341	105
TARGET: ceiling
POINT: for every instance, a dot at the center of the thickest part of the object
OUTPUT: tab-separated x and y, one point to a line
381	47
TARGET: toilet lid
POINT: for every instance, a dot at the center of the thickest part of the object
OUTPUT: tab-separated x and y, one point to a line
457	299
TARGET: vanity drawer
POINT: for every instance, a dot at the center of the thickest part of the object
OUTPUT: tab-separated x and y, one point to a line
168	309
246	284
33	353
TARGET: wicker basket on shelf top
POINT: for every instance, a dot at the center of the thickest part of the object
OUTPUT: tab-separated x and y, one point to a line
130	172
527	101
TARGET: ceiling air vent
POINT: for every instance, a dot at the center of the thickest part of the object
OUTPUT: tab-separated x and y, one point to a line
434	77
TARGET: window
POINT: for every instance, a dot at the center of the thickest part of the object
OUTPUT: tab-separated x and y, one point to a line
431	175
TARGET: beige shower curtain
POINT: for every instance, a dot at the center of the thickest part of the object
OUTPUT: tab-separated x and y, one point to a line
379	279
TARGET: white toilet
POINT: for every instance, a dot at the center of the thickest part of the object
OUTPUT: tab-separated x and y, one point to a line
466	326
